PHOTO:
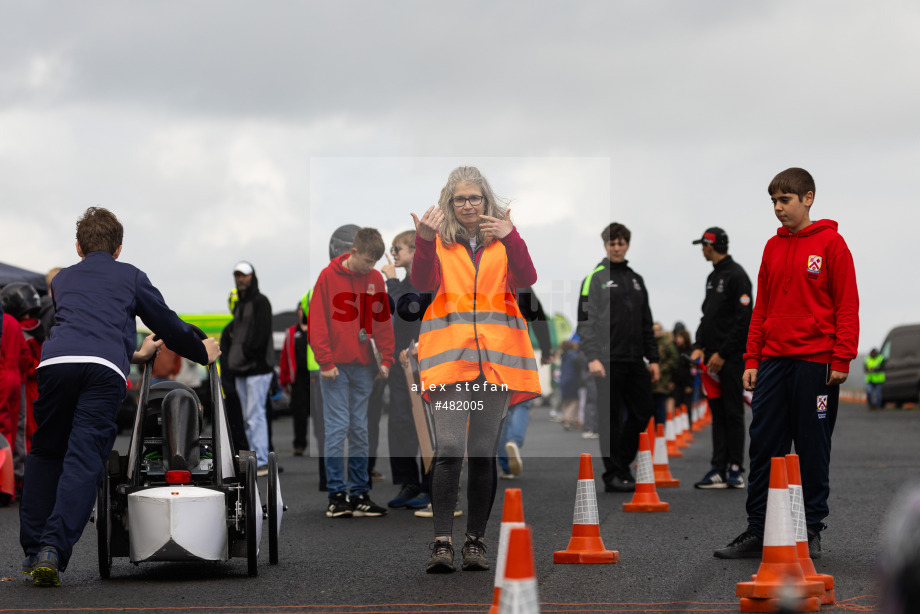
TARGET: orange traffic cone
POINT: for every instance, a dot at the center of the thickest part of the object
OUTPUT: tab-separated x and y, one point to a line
663	477
519	595
780	572
670	436
512	517
679	435
685	420
645	498
801	531
696	418
650	429
586	545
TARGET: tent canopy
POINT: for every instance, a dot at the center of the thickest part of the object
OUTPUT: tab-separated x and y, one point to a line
10	274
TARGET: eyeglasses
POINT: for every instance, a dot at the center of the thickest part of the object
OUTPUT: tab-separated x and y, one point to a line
459	201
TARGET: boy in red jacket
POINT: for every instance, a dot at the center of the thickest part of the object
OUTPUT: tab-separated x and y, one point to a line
349	314
804	332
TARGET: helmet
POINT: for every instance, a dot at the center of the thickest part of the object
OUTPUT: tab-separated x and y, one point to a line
342	240
20	300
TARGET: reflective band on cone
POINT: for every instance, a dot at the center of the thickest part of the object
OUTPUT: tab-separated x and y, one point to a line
685	420
519	586
663	477
801	531
645	498
780	572
512	518
586	545
670	435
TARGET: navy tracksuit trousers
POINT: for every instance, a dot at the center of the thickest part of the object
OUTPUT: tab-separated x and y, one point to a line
792	404
75	415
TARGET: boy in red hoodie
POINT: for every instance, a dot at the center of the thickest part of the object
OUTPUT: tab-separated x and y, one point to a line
349	314
803	335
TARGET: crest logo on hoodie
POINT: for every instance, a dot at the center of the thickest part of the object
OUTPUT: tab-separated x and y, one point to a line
814	265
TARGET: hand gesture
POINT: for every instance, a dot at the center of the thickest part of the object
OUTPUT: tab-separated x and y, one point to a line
431	221
389	269
498	228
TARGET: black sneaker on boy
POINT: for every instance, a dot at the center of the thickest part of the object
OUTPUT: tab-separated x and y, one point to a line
745	546
339	506
361	505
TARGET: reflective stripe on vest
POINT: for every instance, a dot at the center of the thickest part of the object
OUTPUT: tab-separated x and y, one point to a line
876	377
474	326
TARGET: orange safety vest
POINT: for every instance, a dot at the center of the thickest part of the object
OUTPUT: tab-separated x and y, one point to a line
473	326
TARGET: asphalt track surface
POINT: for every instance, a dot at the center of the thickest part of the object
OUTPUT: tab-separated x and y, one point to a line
373	565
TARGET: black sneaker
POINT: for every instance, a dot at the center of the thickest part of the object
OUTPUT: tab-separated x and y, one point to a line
715	479
361	505
407	493
45	572
814	544
442	558
618	484
745	546
339	506
474	555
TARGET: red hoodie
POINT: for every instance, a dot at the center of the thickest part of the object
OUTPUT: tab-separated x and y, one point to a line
807	304
340	299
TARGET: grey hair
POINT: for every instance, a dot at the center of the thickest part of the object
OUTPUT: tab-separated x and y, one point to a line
451	229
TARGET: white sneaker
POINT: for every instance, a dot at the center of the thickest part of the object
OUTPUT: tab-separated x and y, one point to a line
505	476
515	463
426	512
590	435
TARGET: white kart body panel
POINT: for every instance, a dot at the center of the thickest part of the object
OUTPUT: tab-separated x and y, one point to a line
177	523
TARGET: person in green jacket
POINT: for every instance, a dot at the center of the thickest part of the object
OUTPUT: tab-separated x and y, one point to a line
875	377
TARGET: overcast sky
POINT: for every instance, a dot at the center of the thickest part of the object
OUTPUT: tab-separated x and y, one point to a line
220	131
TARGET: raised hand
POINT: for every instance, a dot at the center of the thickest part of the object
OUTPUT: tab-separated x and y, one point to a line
431	221
497	227
389	269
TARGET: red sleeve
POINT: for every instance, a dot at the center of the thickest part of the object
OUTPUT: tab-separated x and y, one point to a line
319	339
755	338
426	268
845	297
521	270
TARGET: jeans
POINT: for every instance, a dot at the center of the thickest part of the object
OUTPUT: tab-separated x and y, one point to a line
874	395
252	390
514	429
345	417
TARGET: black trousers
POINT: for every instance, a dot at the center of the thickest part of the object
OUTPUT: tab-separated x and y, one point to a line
728	418
624	406
792	404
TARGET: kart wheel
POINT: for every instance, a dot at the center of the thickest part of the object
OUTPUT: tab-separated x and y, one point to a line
104	527
253	515
274	508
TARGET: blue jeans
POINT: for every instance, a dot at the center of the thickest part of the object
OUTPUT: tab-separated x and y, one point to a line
345	416
253	390
514	429
874	394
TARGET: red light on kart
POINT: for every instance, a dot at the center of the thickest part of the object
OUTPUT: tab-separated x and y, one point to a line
178	477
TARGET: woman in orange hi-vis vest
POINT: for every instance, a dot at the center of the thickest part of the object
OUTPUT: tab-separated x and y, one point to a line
474	349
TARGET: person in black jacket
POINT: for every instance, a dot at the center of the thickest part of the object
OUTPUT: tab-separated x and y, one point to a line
616	335
720	342
251	357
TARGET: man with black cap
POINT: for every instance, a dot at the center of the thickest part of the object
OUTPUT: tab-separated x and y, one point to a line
720	342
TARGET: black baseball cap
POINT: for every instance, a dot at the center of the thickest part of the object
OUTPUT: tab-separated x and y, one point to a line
713	236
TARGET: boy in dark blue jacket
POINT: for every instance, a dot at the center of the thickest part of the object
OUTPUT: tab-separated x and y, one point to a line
81	383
